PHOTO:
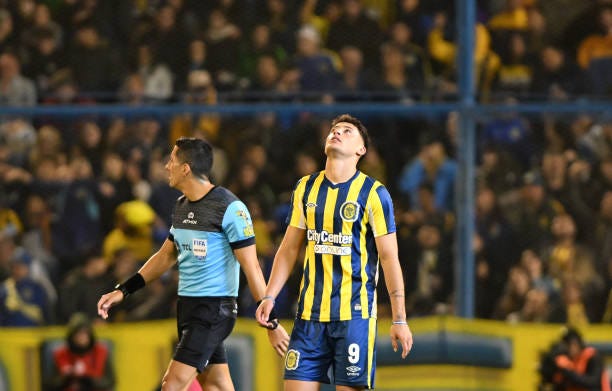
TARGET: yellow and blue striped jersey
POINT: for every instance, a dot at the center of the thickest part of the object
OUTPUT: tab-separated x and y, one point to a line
341	260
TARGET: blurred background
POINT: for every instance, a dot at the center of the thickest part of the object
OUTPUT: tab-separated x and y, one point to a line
492	129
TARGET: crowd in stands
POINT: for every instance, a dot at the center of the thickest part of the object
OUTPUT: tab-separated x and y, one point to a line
84	201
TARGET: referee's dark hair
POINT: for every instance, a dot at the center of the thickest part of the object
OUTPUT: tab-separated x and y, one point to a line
363	131
197	153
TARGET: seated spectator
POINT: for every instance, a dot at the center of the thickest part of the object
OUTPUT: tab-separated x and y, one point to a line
597	46
15	89
513	17
156	77
516	72
200	90
82	287
82	363
23	300
332	11
430	272
317	69
223	48
133	230
556	76
260	44
595	55
443	53
514	294
356	28
94	64
566	258
46	58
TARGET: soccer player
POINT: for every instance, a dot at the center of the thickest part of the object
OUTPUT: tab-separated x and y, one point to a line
210	238
346	220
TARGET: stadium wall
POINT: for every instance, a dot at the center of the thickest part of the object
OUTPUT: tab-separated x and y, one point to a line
449	353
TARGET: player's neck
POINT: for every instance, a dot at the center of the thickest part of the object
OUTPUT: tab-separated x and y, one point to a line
196	189
339	170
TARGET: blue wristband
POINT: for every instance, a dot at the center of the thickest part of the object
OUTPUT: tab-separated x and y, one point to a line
400	322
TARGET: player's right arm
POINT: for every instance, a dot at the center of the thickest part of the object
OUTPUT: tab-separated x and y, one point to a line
155	266
284	261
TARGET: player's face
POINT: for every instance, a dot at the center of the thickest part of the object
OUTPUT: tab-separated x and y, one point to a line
344	138
175	169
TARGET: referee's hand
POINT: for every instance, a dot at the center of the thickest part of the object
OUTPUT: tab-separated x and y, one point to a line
107	301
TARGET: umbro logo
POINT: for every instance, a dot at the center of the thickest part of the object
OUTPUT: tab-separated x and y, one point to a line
311	205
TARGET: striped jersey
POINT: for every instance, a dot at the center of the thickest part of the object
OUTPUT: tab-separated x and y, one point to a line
205	233
341	260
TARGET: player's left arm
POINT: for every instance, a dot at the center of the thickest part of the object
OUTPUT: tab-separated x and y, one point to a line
389	261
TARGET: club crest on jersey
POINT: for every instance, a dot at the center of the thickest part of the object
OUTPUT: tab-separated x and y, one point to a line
292	359
349	211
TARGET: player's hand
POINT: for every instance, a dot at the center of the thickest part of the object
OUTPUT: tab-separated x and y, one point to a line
107	301
263	314
401	334
279	339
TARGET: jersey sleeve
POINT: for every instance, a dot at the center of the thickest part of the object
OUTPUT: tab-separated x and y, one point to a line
238	226
296	217
381	215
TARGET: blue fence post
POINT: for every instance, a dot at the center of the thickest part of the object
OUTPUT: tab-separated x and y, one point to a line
466	154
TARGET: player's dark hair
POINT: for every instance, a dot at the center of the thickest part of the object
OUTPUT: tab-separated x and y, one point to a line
363	131
197	153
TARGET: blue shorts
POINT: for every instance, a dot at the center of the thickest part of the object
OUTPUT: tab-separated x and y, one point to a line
338	352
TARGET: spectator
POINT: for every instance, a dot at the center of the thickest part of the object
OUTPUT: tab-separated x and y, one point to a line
15	89
429	276
200	90
156	77
94	63
223	46
514	294
133	230
515	73
259	45
355	28
170	40
556	77
433	166
46	59
565	258
595	55
317	69
82	287
23	300
443	54
82	363
332	11
8	38
37	236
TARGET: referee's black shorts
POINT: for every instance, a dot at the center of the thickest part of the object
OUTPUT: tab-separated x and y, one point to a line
203	324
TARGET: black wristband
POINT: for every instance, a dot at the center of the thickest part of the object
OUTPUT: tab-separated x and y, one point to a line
132	284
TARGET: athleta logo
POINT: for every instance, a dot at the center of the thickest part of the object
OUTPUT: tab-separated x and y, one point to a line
189	219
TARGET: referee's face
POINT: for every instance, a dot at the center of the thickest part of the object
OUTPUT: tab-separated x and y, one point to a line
176	169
